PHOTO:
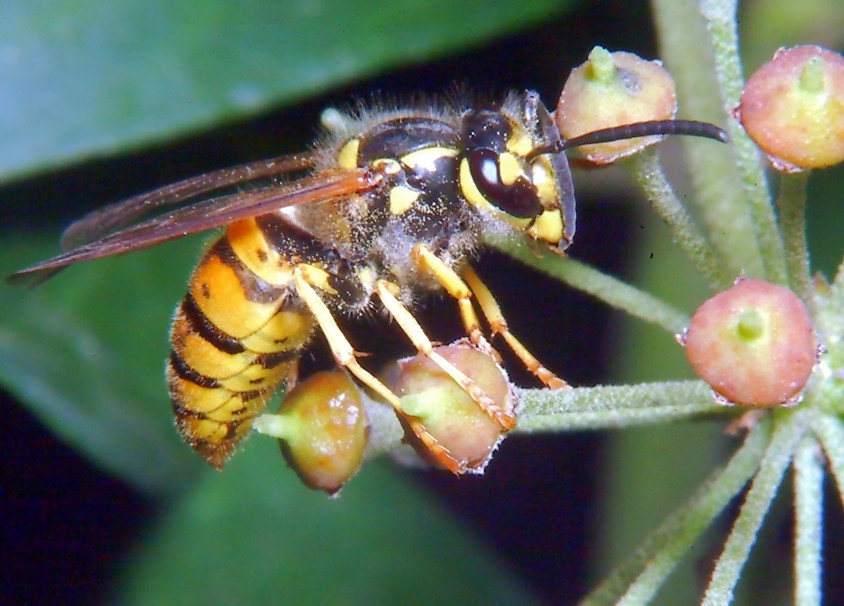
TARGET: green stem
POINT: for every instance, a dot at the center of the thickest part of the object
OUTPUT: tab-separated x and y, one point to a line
720	16
830	432
788	431
792	205
614	406
719	196
639	577
648	174
808	488
611	291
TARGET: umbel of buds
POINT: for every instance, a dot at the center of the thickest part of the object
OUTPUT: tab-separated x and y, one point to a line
324	423
753	343
793	108
614	89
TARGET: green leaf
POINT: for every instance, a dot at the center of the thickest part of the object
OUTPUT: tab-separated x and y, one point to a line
253	535
83	78
86	352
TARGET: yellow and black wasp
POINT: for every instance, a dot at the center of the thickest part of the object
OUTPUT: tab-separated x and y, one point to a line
386	205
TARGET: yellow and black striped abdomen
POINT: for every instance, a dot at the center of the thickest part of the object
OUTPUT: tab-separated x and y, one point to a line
235	339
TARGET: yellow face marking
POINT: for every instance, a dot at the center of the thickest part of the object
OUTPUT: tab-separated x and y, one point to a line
509	168
548	227
348	156
520	144
546	185
402	199
470	191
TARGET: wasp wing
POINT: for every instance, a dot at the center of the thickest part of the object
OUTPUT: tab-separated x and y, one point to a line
110	219
205	215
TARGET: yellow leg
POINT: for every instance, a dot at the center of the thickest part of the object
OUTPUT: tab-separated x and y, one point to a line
459	290
498	325
304	276
341	349
423	344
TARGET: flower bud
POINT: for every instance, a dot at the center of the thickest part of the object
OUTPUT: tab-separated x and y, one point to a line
614	89
793	108
753	343
322	430
464	433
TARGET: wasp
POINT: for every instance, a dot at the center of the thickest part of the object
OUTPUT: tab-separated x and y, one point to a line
387	205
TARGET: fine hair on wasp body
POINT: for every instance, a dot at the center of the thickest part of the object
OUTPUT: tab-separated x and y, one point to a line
447	176
388	205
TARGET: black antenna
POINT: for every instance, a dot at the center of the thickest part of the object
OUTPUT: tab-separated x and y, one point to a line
691	128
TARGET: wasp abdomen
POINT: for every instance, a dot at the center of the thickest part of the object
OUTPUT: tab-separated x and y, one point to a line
235	339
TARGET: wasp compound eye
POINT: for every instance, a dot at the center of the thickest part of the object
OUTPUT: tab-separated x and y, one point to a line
517	198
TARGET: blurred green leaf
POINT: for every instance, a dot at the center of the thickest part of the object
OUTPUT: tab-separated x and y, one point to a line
254	535
86	353
82	78
766	25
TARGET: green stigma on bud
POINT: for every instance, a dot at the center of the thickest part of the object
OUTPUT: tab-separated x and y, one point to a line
282	427
450	429
433	403
751	325
601	66
811	76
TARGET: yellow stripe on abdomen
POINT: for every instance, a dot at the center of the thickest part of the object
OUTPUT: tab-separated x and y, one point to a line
235	340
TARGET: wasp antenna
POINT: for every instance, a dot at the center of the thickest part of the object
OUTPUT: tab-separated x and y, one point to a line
691	128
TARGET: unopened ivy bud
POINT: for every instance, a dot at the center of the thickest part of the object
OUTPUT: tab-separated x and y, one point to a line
463	431
614	89
793	108
322	430
753	343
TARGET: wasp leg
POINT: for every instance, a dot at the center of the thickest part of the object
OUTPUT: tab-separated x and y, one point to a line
304	276
423	344
459	290
462	290
498	325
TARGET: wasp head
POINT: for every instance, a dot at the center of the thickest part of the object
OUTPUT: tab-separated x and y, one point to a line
501	175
